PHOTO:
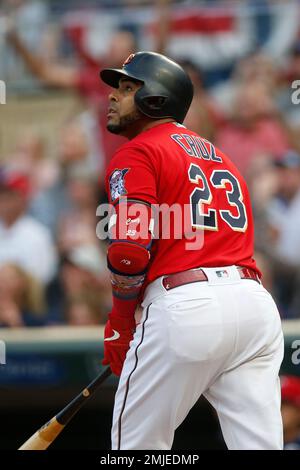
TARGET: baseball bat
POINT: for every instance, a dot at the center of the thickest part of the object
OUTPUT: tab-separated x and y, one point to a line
42	438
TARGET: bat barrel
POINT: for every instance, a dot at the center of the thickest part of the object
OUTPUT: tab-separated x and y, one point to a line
48	433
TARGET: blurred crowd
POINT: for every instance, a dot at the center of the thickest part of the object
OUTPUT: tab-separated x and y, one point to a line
52	265
290	410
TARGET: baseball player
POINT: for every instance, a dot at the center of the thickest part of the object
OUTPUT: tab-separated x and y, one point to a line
208	326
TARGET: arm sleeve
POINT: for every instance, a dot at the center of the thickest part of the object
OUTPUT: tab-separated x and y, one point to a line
130	175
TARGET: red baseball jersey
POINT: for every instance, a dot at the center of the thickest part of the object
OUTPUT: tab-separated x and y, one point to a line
201	203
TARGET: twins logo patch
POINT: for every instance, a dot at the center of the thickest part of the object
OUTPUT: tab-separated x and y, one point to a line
129	59
117	183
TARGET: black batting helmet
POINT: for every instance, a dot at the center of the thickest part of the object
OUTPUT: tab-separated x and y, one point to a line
167	90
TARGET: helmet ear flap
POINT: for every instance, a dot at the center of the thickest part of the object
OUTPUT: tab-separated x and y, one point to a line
155	103
151	105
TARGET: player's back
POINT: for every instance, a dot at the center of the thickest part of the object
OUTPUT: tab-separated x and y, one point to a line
202	205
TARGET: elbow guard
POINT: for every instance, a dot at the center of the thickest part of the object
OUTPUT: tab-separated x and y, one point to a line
130	239
127	258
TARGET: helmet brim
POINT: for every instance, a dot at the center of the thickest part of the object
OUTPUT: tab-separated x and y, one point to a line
112	77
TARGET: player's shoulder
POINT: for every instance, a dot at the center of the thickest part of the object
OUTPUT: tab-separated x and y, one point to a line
133	151
132	146
147	141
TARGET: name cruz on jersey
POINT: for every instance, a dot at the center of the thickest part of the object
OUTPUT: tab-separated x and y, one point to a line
194	147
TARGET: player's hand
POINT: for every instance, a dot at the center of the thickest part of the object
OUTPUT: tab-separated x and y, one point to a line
118	333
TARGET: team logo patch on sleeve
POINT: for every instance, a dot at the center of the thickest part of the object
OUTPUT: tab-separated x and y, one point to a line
117	183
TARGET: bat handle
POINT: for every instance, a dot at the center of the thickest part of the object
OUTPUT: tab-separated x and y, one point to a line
67	413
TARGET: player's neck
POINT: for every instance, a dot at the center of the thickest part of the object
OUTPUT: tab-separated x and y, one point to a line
144	125
157	122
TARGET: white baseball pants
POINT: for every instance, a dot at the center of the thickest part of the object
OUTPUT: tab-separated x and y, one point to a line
221	338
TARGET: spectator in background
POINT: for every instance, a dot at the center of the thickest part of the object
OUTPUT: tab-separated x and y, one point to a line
282	234
284	209
23	240
275	186
31	18
84	267
29	157
290	410
255	130
75	152
77	225
85	310
203	117
85	80
262	183
292	70
219	35
289	97
22	301
74	158
83	284
255	68
214	36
